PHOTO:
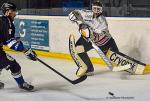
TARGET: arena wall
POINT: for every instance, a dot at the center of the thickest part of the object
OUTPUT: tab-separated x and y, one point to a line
131	35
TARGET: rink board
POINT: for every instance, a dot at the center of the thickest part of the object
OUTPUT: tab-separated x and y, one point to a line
68	57
131	35
128	32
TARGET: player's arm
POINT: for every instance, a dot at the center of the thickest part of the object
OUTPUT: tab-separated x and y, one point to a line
79	16
17	45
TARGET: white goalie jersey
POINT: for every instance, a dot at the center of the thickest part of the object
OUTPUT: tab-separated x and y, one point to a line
98	25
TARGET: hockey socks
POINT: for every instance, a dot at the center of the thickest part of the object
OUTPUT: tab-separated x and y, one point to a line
18	78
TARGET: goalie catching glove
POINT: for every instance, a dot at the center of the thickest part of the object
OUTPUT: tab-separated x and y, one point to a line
75	16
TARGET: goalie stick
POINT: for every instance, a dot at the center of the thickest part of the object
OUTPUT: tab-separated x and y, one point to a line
101	54
106	60
82	78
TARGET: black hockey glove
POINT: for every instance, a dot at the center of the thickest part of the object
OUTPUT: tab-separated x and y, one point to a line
30	54
84	30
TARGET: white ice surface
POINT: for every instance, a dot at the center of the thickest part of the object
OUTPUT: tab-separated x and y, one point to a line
51	87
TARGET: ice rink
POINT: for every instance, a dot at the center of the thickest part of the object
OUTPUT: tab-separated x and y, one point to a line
103	86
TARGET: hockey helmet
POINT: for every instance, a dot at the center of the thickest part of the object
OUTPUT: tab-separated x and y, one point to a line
8	6
97	7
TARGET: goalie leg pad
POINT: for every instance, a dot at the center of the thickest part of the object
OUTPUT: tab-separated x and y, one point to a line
121	59
82	67
85	58
139	69
80	49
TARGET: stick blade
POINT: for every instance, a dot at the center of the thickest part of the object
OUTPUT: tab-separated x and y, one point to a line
82	78
121	68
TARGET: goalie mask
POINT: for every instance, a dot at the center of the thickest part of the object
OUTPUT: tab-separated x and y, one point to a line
97	7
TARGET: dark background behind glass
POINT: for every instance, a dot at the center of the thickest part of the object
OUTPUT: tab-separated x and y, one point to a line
127	8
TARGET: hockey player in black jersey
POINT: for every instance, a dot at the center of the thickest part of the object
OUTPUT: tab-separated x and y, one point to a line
7	38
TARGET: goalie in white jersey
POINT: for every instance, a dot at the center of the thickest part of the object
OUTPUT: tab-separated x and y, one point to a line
94	21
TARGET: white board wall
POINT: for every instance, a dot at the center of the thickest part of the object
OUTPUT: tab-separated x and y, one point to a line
131	34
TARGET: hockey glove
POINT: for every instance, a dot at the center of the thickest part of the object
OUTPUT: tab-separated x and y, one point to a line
15	44
75	16
84	30
30	54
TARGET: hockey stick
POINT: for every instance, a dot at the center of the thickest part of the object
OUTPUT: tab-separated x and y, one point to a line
107	61
101	54
82	78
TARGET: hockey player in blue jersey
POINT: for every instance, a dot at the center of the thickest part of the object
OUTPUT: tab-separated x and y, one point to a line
7	38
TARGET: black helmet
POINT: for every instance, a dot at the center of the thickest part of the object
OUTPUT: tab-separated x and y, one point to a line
7	6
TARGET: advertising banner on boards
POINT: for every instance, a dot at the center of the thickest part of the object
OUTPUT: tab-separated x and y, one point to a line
34	33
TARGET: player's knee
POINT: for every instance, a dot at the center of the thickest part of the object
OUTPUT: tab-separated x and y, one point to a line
15	67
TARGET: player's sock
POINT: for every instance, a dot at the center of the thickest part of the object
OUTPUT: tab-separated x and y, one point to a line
18	78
